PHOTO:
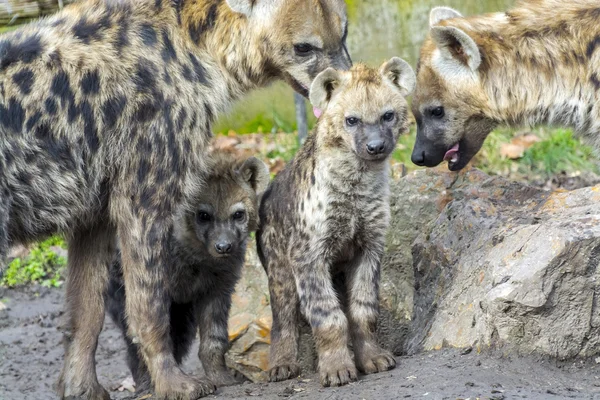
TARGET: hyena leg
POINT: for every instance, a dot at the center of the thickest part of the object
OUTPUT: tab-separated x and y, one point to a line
183	329
4	215
321	307
284	332
146	260
115	305
212	316
363	310
90	251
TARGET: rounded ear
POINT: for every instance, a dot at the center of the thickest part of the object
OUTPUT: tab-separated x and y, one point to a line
241	6
256	173
323	87
400	74
438	14
456	46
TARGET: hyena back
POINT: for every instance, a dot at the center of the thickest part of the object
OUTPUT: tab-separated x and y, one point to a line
210	236
538	63
326	214
104	108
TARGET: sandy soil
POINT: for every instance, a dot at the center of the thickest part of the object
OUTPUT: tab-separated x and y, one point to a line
31	356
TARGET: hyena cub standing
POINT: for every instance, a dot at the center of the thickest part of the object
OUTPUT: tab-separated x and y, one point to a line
326	214
211	230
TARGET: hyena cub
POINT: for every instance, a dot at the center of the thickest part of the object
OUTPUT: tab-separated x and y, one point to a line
211	230
326	214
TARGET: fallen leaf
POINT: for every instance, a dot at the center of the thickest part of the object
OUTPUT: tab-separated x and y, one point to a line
526	141
512	151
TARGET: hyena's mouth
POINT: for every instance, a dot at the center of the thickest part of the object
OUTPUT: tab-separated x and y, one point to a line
452	156
297	86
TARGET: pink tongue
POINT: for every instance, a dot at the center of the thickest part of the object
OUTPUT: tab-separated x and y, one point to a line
317	112
451	153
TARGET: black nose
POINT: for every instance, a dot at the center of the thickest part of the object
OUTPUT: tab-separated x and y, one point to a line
223	248
418	158
375	147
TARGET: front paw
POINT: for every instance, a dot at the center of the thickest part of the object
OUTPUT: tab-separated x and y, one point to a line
283	372
224	378
337	370
375	360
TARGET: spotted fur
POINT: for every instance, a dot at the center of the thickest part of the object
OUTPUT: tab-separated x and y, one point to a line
104	108
535	64
221	212
325	216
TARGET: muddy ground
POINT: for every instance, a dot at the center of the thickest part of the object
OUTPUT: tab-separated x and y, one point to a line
31	356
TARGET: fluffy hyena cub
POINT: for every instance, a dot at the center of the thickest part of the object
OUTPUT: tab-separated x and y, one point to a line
326	214
211	230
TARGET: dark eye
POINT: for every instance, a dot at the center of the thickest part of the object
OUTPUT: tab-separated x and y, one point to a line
352	121
303	49
388	116
438	112
239	215
203	216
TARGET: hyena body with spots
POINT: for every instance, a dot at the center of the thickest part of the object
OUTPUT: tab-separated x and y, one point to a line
326	215
535	64
210	234
104	108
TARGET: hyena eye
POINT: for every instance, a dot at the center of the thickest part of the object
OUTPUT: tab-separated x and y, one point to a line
352	121
239	215
303	49
203	216
438	112
388	116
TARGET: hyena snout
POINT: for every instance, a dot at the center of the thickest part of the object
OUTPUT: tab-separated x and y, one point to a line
223	247
376	147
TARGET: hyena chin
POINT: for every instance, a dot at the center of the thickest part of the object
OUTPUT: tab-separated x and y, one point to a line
105	107
209	241
326	215
538	63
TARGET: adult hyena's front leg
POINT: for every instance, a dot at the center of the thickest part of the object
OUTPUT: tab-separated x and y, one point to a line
144	238
4	215
90	251
212	314
363	310
320	305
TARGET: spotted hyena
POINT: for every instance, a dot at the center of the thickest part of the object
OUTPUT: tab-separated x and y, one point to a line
104	108
210	234
326	215
537	63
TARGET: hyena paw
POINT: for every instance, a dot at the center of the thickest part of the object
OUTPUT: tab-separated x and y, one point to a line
93	393
376	361
337	372
283	372
185	388
224	378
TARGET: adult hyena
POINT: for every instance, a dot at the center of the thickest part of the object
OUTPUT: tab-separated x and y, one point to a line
104	108
537	63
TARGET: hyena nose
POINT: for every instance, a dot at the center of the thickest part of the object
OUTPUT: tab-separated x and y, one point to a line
418	158
223	247
375	147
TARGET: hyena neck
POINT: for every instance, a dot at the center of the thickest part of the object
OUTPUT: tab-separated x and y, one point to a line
226	40
547	80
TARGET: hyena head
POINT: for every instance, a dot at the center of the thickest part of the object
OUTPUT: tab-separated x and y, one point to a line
450	104
224	209
299	38
364	109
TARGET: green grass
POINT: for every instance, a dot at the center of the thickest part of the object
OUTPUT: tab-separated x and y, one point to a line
42	265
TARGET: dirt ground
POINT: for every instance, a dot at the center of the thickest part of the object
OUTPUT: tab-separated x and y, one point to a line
31	356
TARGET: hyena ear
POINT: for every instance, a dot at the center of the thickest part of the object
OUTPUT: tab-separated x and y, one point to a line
322	88
256	173
400	74
438	14
456	46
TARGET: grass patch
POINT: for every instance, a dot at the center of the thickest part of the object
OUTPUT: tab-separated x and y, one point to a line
42	265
